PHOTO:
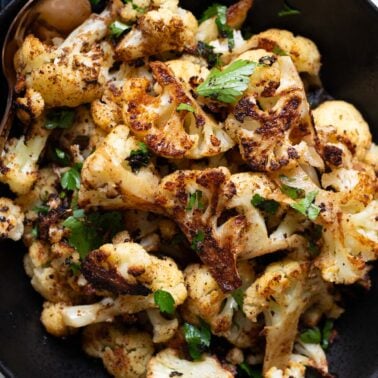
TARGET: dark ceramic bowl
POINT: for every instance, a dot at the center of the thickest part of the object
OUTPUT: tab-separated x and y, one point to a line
346	32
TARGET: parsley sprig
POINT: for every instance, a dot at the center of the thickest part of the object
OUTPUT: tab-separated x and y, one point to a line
70	179
316	335
117	28
245	370
187	107
220	11
269	206
197	338
306	206
287	10
164	300
197	241
195	201
227	85
59	119
140	157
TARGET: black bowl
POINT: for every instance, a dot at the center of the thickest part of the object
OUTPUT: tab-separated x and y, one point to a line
346	32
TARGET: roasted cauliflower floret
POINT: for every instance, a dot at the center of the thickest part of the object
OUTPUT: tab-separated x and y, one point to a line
207	301
11	220
158	31
196	200
29	107
52	320
167	363
349	241
302	51
114	178
284	291
72	73
127	270
341	126
19	168
125	353
272	122
163	329
168	131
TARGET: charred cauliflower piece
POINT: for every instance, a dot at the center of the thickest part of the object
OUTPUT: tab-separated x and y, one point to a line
272	122
73	72
302	51
168	131
167	363
125	353
349	242
342	131
158	31
11	220
207	301
196	200
127	270
284	291
18	161
118	174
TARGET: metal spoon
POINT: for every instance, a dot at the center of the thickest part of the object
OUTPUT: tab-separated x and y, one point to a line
45	19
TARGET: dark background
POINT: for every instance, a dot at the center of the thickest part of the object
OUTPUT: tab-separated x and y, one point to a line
346	33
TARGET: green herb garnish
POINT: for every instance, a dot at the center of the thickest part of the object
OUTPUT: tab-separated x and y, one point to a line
207	51
164	300
135	7
229	84
311	336
270	206
95	2
278	51
198	339
220	11
306	206
195	201
245	370
59	119
139	158
61	157
41	209
197	241
117	28
326	333
35	232
292	192
88	232
186	107
287	10
238	295
70	179
75	268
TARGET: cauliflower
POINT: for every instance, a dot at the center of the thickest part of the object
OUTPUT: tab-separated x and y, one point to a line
167	363
168	131
111	179
72	73
11	220
83	137
30	107
164	329
125	353
342	131
158	31
371	156
349	241
196	200
18	161
284	291
272	122
127	270
302	51
52	320
207	301
50	272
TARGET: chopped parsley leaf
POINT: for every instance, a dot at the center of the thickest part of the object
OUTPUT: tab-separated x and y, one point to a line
70	179
220	11
197	241
197	338
245	370
75	268
59	119
207	51
306	207
186	107
195	200
139	158
311	336
61	157
164	300
326	333
287	10
270	206
290	191
117	28
227	85
278	51
238	295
